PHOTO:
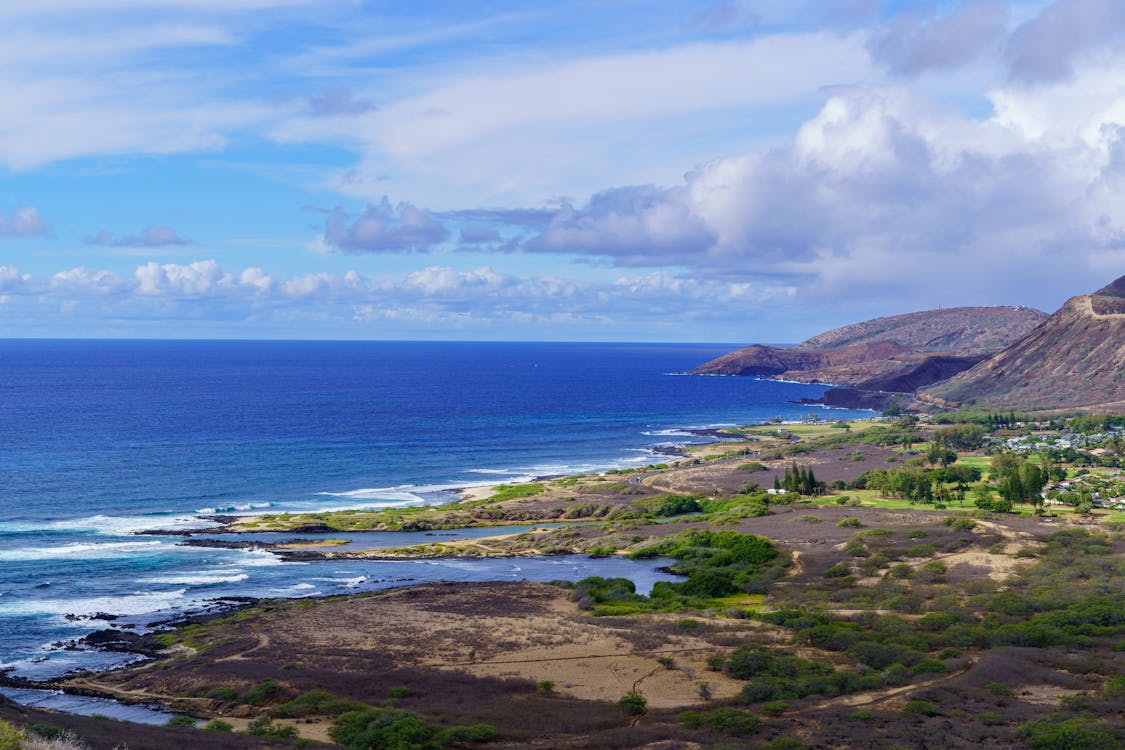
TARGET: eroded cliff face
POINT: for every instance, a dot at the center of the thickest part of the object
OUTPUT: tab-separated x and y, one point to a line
898	348
1074	359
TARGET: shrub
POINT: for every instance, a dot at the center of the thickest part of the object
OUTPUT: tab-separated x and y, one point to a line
1068	734
218	725
959	523
375	728
263	726
180	721
224	693
398	693
921	708
1114	687
10	737
732	721
930	666
839	570
545	686
862	715
634	703
315	703
781	743
851	522
687	624
773	708
262	692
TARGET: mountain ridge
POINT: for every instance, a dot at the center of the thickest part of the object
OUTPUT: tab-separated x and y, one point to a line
1073	359
885	347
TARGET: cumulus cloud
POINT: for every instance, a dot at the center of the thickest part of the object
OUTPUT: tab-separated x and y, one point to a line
11	280
914	43
150	236
1047	47
885	193
384	228
633	225
444	281
79	281
23	222
476	299
193	280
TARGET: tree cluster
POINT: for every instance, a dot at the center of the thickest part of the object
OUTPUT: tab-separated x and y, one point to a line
801	480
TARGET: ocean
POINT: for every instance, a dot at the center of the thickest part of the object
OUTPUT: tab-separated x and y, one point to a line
103	440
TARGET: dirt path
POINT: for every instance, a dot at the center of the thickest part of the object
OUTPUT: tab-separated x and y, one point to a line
874	697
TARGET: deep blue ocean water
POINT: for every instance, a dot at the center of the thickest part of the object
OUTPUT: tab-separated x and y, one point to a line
100	440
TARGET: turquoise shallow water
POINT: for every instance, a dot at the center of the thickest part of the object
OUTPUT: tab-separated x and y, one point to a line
101	440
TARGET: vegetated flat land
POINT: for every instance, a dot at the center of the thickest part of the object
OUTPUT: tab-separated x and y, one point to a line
888	626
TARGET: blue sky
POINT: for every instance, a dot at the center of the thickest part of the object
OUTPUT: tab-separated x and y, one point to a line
617	170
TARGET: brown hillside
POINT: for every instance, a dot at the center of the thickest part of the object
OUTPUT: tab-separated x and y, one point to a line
1075	359
961	330
884	347
773	361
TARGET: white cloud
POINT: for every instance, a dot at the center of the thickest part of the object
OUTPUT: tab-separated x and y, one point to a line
885	193
384	228
915	43
492	136
475	300
24	222
201	278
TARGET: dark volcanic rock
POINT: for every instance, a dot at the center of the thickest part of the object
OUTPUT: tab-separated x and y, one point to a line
145	644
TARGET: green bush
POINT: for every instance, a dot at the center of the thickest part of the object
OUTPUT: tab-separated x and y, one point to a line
263	726
1068	734
10	737
315	703
218	725
372	728
959	523
730	721
224	693
851	522
773	708
930	666
921	708
180	721
634	703
262	692
1114	687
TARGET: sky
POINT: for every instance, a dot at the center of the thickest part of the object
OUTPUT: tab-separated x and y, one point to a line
733	171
